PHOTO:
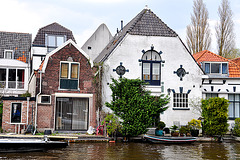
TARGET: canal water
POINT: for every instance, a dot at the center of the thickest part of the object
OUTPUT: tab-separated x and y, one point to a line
135	151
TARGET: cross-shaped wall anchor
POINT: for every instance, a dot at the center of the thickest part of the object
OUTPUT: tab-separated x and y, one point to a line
181	72
121	70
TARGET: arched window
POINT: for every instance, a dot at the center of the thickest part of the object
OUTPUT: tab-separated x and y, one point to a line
151	67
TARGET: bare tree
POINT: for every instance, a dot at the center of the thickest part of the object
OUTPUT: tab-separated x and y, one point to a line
224	30
198	32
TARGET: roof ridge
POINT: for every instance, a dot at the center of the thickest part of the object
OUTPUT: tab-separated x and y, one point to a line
54	23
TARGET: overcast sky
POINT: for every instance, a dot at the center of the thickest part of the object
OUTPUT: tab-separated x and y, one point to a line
84	16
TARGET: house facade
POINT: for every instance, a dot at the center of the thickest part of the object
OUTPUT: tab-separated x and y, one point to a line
221	79
14	63
65	93
153	52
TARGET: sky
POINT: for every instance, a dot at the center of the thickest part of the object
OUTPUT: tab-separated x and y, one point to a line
83	17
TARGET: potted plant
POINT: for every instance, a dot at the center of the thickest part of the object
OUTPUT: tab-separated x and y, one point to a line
194	126
174	131
159	129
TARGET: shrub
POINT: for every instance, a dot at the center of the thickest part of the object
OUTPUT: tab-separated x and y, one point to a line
236	129
215	114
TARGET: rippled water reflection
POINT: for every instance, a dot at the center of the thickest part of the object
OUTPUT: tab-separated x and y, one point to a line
137	151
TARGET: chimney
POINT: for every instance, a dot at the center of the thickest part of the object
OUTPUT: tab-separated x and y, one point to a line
121	25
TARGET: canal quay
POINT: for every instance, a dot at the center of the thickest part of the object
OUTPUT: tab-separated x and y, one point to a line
82	146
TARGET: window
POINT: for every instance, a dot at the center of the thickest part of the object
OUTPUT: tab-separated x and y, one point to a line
180	100
69	73
211	95
16	112
15	80
234	106
71	113
216	68
8	54
54	41
46	99
151	66
2	78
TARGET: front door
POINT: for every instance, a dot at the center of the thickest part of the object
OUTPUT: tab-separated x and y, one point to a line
71	114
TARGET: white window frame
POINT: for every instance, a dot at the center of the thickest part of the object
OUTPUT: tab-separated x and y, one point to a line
220	68
40	99
56	36
11	113
8	51
69	73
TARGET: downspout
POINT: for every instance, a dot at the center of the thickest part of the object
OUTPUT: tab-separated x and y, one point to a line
28	98
40	90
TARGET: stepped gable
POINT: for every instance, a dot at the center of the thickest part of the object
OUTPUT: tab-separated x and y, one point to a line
52	29
19	43
146	23
207	56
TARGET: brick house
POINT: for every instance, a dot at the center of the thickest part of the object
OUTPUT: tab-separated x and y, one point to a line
65	94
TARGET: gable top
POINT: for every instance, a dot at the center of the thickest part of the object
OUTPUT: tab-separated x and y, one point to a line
146	23
44	63
19	43
51	29
207	56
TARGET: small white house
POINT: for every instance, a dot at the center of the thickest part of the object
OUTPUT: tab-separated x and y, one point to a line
222	79
153	52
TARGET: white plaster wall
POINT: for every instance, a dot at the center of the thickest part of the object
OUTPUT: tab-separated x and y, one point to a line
97	41
174	53
36	60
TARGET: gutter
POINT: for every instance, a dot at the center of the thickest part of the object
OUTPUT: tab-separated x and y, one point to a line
40	90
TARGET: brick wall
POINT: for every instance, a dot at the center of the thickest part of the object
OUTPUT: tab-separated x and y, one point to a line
6	121
50	84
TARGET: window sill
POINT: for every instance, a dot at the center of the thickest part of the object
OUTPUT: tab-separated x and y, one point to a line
181	108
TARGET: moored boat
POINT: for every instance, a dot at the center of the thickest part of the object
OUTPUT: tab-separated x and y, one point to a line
28	145
171	140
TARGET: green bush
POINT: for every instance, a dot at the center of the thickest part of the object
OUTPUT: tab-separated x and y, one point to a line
112	124
215	114
236	129
135	105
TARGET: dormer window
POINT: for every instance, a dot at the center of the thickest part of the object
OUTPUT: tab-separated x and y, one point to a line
54	41
215	67
8	54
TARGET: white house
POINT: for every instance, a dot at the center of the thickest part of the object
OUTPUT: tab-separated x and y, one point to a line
153	52
222	79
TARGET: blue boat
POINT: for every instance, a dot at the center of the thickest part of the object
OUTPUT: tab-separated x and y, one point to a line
170	140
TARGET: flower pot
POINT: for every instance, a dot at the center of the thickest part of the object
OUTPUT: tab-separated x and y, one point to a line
175	134
158	132
195	133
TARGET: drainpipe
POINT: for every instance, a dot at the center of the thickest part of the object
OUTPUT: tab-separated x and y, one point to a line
28	98
40	90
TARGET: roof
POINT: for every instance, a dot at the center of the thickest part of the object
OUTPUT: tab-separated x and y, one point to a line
207	56
146	23
44	63
20	43
52	29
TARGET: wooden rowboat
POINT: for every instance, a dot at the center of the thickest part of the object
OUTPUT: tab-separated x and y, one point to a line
170	140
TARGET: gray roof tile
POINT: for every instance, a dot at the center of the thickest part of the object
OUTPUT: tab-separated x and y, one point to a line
20	43
146	23
52	29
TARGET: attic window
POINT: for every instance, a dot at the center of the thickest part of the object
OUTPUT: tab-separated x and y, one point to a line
89	47
216	68
54	41
8	54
